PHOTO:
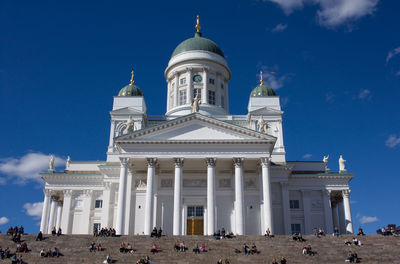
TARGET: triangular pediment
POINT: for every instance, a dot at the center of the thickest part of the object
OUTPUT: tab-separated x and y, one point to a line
195	127
266	111
126	111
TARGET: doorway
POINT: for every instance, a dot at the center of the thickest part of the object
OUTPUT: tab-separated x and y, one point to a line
195	220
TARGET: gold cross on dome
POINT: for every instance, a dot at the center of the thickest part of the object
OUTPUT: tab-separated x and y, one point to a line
133	74
261	78
198	27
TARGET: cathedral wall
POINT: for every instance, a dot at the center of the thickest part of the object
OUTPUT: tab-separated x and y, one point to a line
225	208
252	214
277	210
165	213
140	203
317	210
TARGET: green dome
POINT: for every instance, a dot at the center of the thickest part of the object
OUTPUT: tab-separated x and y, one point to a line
197	43
262	90
130	90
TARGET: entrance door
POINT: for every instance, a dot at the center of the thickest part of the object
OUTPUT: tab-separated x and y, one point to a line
195	221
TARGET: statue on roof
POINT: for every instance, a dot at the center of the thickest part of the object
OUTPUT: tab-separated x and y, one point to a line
341	164
262	125
196	104
129	126
51	163
68	163
325	160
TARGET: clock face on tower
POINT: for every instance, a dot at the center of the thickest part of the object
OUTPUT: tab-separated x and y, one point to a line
197	78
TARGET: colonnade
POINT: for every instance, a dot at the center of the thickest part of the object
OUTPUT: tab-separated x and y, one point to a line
239	227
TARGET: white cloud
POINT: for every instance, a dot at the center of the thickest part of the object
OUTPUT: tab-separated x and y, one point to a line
392	53
288	6
3	220
271	79
336	13
364	94
368	219
28	166
392	141
332	13
307	156
279	28
34	209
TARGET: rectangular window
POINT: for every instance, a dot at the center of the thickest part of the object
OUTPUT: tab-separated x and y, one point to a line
98	204
222	101
294	204
211	97
222	86
296	228
197	92
96	227
182	81
211	81
182	97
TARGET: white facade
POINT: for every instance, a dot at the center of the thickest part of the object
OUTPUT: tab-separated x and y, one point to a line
183	171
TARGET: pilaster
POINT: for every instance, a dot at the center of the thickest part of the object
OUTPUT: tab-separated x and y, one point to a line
239	196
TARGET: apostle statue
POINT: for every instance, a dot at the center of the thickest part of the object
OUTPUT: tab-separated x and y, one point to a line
129	126
68	163
341	164
262	125
196	104
51	163
325	160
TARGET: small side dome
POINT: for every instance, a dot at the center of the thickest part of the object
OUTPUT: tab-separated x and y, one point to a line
262	89
130	89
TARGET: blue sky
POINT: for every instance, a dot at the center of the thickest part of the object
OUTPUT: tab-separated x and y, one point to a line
337	67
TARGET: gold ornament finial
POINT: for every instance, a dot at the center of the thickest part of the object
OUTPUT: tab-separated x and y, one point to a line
198	27
261	78
133	74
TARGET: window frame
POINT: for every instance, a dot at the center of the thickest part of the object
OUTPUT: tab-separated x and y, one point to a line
211	97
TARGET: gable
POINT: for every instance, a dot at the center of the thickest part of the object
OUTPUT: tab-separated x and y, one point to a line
126	111
195	127
266	111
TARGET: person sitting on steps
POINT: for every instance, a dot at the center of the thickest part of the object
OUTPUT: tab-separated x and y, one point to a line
122	247
154	232
196	249
154	249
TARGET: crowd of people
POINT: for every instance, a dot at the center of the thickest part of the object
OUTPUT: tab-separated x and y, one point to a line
156	233
93	247
105	232
221	233
126	248
50	253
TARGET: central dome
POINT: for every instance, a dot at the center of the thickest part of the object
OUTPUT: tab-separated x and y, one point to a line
198	43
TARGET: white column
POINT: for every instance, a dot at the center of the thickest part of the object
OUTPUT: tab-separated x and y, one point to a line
177	225
190	86
59	211
155	195
66	212
176	90
52	219
105	211
347	211
204	98
148	212
121	197
342	225
45	211
112	133
334	216
307	211
128	199
87	209
211	162
267	197
328	211
285	208
238	196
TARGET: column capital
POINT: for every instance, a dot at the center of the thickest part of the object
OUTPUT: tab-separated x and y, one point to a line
211	162
107	185
265	162
67	193
178	162
151	162
124	161
47	192
238	162
346	193
87	192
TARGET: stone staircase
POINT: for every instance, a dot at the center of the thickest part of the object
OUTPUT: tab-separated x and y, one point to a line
375	249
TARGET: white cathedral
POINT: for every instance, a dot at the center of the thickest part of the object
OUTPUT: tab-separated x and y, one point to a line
197	168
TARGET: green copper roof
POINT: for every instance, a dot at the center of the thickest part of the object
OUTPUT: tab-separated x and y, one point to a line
262	90
130	90
197	43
